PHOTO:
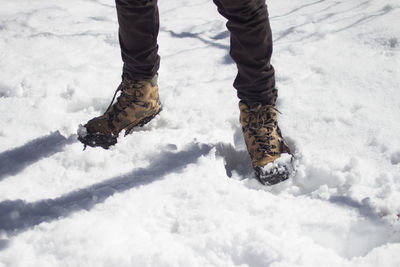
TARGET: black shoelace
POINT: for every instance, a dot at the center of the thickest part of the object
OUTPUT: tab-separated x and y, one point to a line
261	125
125	100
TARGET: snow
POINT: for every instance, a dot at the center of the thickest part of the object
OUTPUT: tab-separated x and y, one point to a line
180	191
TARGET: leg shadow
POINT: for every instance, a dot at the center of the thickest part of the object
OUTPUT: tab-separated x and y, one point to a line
18	215
15	160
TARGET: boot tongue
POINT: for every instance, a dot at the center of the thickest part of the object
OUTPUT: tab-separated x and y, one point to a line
255	106
133	88
264	115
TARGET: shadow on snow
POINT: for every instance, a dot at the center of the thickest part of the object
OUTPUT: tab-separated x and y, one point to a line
225	34
18	215
16	160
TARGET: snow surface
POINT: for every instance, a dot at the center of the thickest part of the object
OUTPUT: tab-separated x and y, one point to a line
179	191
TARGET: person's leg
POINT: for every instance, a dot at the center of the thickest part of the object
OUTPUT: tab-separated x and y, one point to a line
251	49
138	102
138	31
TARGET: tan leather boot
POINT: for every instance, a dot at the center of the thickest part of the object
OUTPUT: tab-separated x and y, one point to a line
137	104
264	142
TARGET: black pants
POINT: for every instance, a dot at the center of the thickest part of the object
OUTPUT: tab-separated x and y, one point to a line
251	44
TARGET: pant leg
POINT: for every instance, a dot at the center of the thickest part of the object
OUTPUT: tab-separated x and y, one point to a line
138	30
251	48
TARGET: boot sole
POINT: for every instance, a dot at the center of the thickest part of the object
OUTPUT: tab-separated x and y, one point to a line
276	174
107	140
98	139
271	178
129	129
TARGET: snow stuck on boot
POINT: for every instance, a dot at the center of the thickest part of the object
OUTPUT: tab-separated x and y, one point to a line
82	131
275	172
95	139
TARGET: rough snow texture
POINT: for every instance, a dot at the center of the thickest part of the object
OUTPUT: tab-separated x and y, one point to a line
179	192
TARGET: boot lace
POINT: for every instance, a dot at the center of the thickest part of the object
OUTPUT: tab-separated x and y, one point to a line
125	100
261	125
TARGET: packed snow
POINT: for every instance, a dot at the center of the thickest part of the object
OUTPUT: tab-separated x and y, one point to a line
180	191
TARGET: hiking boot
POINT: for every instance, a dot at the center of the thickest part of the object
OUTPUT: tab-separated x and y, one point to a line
270	155
137	104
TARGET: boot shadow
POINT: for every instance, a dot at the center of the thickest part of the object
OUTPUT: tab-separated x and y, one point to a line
235	160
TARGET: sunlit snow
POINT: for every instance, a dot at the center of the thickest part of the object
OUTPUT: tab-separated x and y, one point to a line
179	191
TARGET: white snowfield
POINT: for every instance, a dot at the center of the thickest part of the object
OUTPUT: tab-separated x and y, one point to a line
179	191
